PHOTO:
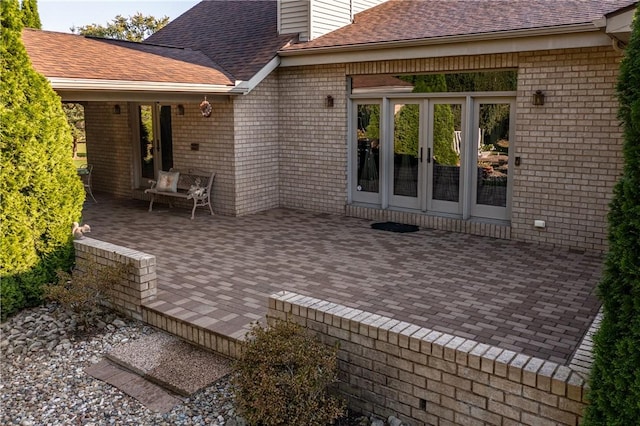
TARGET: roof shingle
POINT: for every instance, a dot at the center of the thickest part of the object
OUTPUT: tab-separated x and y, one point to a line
407	20
74	56
242	36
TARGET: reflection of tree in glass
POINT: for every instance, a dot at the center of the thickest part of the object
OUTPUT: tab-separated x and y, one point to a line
443	130
494	120
407	128
372	125
75	118
443	135
146	132
492	81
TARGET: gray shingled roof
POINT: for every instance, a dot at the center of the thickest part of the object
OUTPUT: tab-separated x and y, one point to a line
409	20
73	56
242	36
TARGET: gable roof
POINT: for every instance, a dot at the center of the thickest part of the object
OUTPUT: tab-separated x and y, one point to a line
411	20
61	56
241	35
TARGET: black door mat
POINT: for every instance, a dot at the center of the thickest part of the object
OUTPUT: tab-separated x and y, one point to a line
395	227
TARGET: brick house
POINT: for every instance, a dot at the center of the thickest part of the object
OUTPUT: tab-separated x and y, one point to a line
436	113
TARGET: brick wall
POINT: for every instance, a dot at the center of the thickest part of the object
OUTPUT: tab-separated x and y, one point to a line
109	148
571	147
214	135
256	148
296	155
141	283
421	376
313	146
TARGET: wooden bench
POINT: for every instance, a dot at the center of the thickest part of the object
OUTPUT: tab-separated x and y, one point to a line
194	185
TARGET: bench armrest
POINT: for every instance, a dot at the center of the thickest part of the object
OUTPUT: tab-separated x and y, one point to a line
153	183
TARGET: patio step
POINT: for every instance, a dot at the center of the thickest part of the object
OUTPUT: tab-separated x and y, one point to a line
158	369
170	362
228	346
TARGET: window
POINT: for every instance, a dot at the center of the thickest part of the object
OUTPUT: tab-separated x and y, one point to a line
436	143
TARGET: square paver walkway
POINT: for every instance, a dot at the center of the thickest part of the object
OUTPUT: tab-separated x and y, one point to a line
218	271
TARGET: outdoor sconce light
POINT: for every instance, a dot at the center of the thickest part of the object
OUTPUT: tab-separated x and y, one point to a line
538	98
180	109
328	101
116	109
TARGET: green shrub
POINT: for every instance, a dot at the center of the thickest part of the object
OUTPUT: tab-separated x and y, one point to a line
40	191
90	287
282	378
615	378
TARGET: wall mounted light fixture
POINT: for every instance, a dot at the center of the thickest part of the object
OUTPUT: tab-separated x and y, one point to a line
116	109
328	101
180	109
538	98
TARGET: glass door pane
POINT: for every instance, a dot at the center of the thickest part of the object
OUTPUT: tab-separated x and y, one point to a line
447	144
494	142
147	151
406	148
166	138
368	148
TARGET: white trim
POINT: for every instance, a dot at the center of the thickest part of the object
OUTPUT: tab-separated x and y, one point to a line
247	86
60	83
444	47
620	23
137	89
169	97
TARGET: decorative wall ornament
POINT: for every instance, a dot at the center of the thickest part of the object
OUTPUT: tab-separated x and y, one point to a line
205	108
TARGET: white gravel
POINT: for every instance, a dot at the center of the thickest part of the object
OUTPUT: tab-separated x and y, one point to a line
44	352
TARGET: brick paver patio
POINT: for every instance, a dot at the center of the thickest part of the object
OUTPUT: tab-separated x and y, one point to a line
217	271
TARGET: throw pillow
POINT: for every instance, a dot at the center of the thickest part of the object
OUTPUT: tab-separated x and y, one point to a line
167	181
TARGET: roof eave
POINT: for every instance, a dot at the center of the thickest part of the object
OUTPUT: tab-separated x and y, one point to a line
464	38
85	84
246	86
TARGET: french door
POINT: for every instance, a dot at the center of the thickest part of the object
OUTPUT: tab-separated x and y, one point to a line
446	155
428	145
154	143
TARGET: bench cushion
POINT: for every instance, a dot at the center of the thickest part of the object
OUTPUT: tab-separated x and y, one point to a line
167	181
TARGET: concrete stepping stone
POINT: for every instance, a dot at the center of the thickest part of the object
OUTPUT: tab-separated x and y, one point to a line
159	368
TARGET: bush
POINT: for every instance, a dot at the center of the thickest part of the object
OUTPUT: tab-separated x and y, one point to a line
614	397
282	378
90	287
39	187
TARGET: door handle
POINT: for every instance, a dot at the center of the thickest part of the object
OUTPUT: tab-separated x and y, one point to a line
428	155
421	155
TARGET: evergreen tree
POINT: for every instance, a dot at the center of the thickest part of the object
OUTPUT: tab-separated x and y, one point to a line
615	378
30	15
40	191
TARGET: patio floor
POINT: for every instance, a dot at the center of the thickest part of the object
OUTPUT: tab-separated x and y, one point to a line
217	272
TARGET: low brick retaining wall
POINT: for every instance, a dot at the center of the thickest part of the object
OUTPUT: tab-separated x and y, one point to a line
141	283
389	367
